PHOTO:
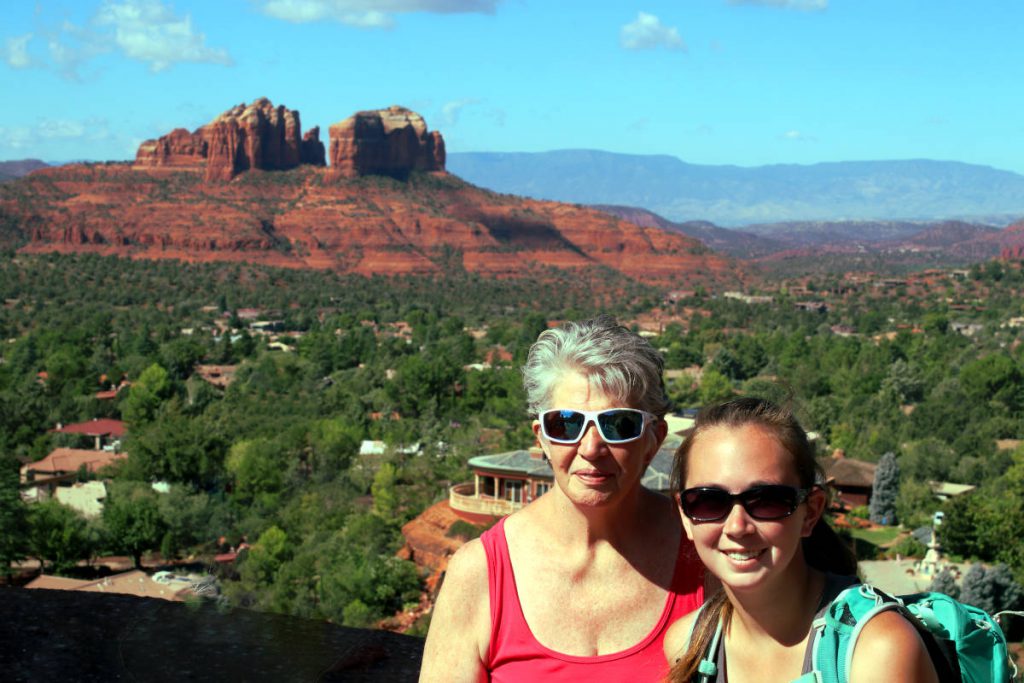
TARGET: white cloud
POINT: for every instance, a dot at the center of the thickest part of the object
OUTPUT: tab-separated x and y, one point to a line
803	5
148	31
143	30
797	136
15	51
450	110
647	33
48	131
367	13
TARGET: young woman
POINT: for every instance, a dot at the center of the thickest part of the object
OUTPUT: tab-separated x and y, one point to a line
747	480
582	583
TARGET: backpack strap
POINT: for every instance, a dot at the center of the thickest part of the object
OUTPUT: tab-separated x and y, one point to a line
707	670
884	603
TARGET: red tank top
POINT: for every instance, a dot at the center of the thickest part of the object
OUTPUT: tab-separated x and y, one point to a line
516	656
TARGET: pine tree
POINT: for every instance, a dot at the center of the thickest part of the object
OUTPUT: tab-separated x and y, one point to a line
945	583
13	517
885	490
993	590
977	589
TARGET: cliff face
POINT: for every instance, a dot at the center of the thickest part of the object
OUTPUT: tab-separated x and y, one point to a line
259	135
309	217
392	141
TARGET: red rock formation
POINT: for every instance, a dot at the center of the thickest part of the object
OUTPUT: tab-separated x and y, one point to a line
421	225
1012	242
258	135
392	141
177	149
312	149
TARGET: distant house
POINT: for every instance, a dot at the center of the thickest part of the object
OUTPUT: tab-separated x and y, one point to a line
966	329
102	430
68	461
812	306
86	498
945	490
851	480
219	376
504	482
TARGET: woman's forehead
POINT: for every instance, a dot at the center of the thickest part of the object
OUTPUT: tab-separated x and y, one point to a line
574	387
744	452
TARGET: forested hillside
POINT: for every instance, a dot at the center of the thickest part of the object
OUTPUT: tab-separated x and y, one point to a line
930	368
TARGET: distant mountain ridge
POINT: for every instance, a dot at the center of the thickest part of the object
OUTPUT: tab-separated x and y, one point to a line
10	170
735	196
838	246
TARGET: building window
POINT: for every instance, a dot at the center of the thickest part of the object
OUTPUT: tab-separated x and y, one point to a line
540	489
514	491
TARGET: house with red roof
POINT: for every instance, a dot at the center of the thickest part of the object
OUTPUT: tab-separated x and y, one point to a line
101	429
68	461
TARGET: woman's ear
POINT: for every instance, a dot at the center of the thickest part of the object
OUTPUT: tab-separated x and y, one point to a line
816	501
540	442
660	432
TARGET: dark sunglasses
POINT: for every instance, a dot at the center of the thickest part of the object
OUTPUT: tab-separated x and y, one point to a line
768	502
616	425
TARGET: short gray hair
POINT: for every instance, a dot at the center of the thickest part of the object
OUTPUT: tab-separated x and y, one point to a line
616	361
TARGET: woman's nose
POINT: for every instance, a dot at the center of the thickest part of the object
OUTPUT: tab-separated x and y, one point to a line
591	442
738	522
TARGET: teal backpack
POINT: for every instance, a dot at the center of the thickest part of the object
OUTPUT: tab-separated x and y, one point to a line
965	643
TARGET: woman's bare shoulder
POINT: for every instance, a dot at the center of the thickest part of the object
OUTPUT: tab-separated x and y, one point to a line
890	648
677	637
459	634
467	568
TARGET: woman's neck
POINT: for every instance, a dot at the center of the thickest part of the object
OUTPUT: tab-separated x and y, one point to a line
613	524
781	610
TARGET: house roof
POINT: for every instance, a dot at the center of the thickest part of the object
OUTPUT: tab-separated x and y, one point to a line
61	583
949	489
134	582
848	471
657	477
71	459
97	427
513	462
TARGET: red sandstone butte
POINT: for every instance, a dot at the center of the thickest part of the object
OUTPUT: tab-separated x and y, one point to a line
258	135
392	141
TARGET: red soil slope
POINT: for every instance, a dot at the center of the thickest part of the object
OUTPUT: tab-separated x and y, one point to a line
308	217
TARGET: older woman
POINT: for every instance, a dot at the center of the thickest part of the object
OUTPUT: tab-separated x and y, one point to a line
582	583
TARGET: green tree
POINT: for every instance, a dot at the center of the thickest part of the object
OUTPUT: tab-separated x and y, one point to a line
915	503
145	395
266	556
58	536
385	500
13	516
133	522
714	387
257	467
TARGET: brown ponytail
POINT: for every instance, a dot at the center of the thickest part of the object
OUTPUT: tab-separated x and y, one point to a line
716	608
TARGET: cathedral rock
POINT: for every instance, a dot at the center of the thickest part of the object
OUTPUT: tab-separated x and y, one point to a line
259	135
392	141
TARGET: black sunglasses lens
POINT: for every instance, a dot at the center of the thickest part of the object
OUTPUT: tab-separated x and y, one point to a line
706	505
563	425
770	502
620	425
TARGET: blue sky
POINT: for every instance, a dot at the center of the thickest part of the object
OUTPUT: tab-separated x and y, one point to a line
744	82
